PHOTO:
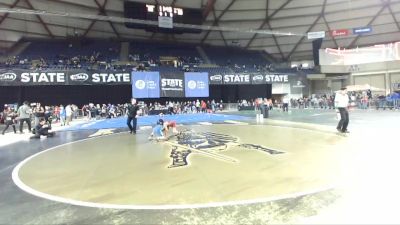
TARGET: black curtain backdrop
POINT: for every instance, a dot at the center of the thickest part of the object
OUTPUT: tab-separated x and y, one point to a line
56	95
233	93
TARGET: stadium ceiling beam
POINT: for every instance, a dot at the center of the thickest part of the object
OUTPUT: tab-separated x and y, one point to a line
308	30
308	15
209	7
300	26
82	6
276	42
344	38
393	16
102	10
302	38
6	14
40	20
94	21
56	25
281	27
7	41
216	20
298	7
220	32
351	45
269	27
327	24
266	20
128	36
29	32
329	28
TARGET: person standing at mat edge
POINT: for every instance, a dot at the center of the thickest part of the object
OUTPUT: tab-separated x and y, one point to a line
132	112
24	115
342	103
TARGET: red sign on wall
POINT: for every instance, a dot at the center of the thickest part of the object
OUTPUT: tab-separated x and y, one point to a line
341	32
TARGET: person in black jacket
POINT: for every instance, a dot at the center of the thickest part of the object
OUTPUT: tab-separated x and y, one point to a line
42	129
9	119
132	111
38	112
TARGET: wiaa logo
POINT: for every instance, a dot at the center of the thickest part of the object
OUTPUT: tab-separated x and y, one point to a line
258	78
8	77
216	78
140	84
79	77
192	84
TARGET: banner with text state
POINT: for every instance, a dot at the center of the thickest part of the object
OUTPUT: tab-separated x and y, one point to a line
196	85
232	79
172	85
146	84
19	77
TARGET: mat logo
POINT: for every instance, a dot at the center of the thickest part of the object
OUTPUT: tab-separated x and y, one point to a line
140	84
8	77
79	77
217	78
207	144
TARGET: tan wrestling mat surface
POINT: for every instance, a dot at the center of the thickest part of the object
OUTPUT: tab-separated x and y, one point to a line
202	166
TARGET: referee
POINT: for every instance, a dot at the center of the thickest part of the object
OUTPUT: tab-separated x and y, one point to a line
132	115
342	102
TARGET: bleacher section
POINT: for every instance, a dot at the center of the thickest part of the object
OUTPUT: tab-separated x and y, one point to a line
231	56
214	70
53	49
58	54
156	51
163	57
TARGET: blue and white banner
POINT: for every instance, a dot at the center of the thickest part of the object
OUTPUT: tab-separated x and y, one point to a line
196	85
362	30
146	84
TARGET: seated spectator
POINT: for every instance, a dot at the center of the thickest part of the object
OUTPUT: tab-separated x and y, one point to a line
42	129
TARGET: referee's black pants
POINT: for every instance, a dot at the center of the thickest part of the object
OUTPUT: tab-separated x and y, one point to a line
132	122
344	119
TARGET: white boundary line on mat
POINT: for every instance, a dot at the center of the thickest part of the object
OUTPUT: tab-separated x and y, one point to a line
30	190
